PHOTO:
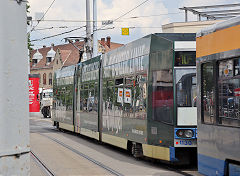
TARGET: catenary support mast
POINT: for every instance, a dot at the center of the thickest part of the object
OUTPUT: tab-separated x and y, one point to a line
88	30
14	115
95	40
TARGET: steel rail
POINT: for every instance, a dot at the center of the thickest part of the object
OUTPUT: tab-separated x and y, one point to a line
43	166
84	156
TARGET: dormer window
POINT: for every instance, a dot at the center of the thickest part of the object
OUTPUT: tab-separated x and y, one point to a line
34	61
50	56
49	59
36	57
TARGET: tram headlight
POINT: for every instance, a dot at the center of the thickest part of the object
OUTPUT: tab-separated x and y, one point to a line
185	133
180	133
188	133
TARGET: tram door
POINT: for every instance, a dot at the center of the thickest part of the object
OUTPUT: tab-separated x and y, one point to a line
186	96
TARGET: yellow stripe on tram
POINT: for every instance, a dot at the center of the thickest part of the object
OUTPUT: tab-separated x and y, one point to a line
217	42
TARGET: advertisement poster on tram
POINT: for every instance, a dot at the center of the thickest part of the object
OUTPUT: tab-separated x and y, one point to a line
120	95
33	83
127	96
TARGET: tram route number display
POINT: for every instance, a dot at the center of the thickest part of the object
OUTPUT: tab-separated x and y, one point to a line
185	142
124	96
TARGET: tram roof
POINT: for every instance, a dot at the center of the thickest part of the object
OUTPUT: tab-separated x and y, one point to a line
219	26
178	36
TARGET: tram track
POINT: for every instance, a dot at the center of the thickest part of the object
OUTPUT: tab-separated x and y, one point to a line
42	165
99	163
110	170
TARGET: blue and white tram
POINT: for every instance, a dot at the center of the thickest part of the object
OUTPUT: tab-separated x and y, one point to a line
218	75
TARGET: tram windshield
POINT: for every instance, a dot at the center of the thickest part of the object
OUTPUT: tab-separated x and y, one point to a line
186	87
186	96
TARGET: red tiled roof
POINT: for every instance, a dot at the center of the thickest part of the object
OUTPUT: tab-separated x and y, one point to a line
65	48
112	46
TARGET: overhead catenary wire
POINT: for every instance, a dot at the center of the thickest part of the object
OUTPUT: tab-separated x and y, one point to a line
42	17
126	13
100	21
102	27
58	34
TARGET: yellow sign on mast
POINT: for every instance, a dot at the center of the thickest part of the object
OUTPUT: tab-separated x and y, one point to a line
125	31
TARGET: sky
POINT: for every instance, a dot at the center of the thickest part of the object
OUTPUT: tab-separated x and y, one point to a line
144	20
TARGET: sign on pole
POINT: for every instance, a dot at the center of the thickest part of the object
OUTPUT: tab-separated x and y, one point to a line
125	31
107	22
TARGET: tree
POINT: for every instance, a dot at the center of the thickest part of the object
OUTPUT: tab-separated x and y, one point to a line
28	23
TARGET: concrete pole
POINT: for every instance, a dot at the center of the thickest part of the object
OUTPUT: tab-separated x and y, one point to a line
88	30
95	40
199	17
14	96
186	16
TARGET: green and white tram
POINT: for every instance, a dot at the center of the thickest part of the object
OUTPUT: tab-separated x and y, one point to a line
140	97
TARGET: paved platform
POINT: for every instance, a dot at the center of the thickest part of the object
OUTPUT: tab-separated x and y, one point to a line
60	160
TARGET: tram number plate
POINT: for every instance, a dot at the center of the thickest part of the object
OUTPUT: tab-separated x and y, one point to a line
185	142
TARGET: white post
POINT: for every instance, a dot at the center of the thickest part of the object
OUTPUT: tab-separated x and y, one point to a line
95	40
14	106
88	30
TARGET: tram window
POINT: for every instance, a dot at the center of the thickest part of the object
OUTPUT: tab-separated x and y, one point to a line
237	67
119	81
129	81
162	103
225	69
185	58
140	97
186	87
229	95
208	98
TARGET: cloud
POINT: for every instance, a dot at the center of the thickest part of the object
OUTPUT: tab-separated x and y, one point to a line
110	10
75	10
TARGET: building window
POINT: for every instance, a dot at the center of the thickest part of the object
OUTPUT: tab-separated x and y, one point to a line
50	78
39	78
49	59
34	61
44	78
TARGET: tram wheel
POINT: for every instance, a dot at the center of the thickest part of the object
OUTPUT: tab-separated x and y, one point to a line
137	150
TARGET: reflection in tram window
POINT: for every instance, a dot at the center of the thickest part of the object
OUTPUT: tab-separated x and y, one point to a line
226	68
186	88
208	98
229	94
237	67
141	97
128	107
163	96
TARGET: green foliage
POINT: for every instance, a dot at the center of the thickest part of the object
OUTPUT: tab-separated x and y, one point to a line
29	43
28	23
